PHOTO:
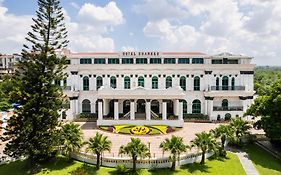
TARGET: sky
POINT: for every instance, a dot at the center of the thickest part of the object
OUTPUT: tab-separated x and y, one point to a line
248	27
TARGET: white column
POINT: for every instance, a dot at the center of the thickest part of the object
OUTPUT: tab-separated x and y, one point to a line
244	102
206	107
147	110
164	110
189	107
176	107
116	113
93	107
132	109
100	111
105	106
76	106
73	108
180	111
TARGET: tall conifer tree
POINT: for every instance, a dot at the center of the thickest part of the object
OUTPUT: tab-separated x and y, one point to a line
33	129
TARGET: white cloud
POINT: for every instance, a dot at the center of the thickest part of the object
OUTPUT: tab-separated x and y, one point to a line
88	33
74	5
128	49
224	26
108	15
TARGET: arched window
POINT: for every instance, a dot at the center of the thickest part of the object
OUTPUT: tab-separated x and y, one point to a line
99	82
183	83
224	104
184	104
217	83
141	81
113	82
227	116
196	83
232	83
196	107
85	83
86	106
225	83
169	82
154	82
127	83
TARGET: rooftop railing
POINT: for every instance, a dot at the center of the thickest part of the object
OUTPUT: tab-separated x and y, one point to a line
227	88
229	108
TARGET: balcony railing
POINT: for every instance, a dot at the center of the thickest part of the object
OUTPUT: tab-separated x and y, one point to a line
229	108
66	88
227	88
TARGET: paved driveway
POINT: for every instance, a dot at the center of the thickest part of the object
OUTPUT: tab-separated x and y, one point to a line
187	132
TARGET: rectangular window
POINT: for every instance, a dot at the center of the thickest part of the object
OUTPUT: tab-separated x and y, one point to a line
141	61
183	61
127	61
155	60
99	61
113	61
232	62
169	61
197	61
85	61
216	61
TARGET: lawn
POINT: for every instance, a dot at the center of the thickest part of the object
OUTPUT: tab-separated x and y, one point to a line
265	163
63	167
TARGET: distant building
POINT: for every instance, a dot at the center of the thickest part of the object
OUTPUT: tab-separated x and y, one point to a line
7	63
157	87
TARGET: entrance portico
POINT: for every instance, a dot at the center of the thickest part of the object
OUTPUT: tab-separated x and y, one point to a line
142	106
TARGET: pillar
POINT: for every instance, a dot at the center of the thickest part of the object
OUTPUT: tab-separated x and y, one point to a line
180	111
93	107
132	109
147	110
176	107
164	110
76	106
106	107
189	107
100	110
116	113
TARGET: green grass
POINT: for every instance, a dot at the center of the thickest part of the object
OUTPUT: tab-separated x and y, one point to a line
64	167
265	163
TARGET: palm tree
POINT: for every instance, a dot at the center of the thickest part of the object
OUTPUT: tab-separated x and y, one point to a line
205	142
135	149
223	132
98	145
240	128
176	146
71	138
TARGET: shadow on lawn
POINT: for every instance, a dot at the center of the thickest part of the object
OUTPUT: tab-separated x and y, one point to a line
260	157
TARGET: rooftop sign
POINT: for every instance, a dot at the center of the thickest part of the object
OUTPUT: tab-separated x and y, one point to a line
140	53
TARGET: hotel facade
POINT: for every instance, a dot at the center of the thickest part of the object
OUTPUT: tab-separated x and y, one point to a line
157	88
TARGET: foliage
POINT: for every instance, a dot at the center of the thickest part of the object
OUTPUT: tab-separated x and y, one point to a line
32	131
98	145
79	171
240	129
135	149
268	106
6	86
71	138
205	142
175	146
224	132
264	78
121	169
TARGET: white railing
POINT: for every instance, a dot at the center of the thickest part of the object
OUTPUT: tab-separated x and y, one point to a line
163	162
127	115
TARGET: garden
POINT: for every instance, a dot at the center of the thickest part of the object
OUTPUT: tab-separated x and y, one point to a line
140	129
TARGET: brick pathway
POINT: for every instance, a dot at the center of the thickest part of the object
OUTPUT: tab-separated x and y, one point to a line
187	132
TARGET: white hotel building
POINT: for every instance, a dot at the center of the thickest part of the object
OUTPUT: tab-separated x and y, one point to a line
157	87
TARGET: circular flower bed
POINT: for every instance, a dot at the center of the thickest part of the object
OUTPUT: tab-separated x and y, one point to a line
140	129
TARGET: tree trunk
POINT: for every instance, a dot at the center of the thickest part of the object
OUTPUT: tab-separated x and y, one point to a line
203	158
222	142
173	167
134	164
98	161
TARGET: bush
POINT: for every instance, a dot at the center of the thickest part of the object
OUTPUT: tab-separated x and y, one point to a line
121	168
79	171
